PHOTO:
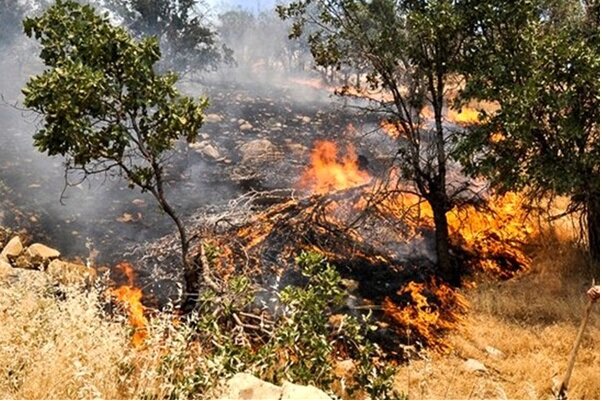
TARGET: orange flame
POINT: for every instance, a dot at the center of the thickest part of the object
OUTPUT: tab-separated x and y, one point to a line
131	298
470	114
327	173
493	235
390	128
427	311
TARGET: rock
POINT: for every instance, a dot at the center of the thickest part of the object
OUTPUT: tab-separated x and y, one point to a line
243	386
306	119
297	149
206	149
246	126
494	352
12	249
292	391
5	269
68	273
210	151
472	365
256	149
41	252
213	118
24	262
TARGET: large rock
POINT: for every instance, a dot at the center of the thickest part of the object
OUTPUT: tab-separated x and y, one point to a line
243	386
12	250
257	149
41	252
292	391
68	273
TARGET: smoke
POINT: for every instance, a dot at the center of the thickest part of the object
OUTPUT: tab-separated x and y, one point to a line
102	210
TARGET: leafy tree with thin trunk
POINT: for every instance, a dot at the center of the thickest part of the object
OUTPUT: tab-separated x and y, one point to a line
185	35
539	60
410	50
105	108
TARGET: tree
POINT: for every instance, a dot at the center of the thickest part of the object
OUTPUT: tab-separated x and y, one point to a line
412	51
104	108
185	36
539	60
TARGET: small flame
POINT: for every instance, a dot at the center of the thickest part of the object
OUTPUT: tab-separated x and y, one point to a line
470	114
328	173
390	128
466	116
131	298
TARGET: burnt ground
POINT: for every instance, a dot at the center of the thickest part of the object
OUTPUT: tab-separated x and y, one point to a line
104	214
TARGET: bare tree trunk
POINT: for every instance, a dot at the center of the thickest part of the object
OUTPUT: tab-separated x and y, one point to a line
442	241
593	225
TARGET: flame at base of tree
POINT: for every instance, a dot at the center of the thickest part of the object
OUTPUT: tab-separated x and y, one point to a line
494	235
424	312
130	297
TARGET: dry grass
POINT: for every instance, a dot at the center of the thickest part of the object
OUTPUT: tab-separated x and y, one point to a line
63	344
55	345
533	320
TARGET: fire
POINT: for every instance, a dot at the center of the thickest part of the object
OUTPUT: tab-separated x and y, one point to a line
427	311
131	298
493	234
328	172
470	114
466	116
390	128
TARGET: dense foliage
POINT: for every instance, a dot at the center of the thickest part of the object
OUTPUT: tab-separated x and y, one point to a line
539	61
301	345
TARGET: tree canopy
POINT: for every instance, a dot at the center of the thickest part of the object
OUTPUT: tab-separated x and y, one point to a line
103	105
540	62
186	37
412	52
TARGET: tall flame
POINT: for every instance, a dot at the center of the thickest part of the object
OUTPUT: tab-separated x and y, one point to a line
328	172
131	298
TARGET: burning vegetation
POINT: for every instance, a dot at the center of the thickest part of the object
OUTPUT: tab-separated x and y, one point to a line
377	232
130	297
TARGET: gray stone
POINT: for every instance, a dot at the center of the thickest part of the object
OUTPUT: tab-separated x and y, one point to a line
206	148
213	118
257	149
246	126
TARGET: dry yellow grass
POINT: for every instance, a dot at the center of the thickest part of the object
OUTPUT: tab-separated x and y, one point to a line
56	345
533	320
64	345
